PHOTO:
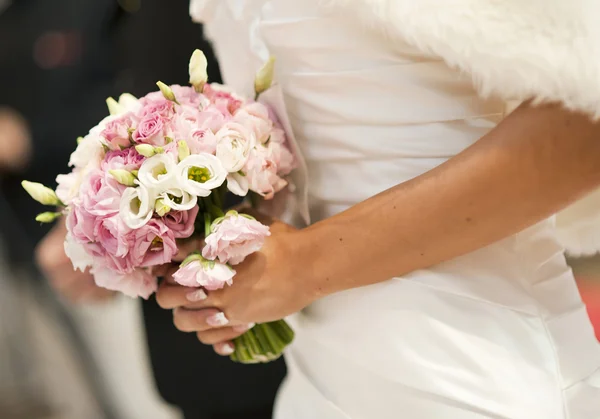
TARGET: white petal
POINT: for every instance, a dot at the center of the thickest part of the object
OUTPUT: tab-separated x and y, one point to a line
237	184
188	201
79	257
137	206
158	172
202	160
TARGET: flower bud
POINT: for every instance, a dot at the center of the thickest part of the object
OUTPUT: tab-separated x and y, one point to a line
79	140
41	193
128	101
264	77
161	208
113	106
197	68
47	217
123	177
145	150
183	150
167	92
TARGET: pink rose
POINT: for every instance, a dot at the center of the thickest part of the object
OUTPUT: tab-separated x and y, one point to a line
282	157
222	98
68	186
150	130
202	273
181	125
181	223
153	244
113	235
186	95
261	173
117	131
202	141
234	238
255	117
128	159
277	136
159	106
100	194
213	119
81	224
138	283
155	96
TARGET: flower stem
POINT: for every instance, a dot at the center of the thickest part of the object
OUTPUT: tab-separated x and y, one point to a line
216	194
254	199
207	224
263	343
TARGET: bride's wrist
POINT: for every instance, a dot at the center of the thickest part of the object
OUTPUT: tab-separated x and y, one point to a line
326	263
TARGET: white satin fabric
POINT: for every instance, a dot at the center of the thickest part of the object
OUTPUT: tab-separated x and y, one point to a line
498	333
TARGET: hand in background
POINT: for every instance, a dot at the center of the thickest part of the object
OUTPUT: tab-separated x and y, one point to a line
15	143
75	286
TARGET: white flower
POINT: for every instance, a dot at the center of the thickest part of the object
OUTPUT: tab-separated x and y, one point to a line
68	186
197	68
76	252
234	143
237	184
199	174
129	102
179	200
158	173
137	206
89	151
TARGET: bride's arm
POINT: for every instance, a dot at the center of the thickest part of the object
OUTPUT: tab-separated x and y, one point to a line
536	162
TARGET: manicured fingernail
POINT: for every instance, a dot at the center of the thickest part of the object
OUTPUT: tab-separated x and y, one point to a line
196	296
216	320
244	327
227	349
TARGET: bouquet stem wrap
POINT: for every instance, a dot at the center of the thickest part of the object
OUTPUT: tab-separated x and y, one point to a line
263	343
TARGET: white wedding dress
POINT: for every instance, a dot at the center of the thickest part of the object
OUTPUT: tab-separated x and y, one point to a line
498	333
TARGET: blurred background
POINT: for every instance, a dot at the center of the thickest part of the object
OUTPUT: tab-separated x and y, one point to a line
116	358
113	358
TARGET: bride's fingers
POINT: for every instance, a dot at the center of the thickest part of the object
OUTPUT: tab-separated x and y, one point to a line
171	296
225	334
185	247
162	270
224	348
200	320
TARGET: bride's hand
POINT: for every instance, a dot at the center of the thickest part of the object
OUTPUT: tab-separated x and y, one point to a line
269	285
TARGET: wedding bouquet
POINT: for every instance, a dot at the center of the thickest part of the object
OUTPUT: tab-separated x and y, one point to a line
155	172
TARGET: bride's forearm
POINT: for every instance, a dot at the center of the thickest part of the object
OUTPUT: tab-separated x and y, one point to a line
536	162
